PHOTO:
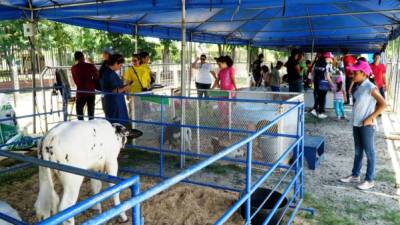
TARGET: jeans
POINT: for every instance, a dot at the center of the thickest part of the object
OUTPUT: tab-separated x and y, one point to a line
319	100
339	108
202	89
364	142
382	91
296	86
275	89
81	101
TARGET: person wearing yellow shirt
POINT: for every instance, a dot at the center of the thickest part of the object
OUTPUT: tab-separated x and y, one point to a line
139	76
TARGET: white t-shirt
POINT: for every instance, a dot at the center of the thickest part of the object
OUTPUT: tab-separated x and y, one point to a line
203	73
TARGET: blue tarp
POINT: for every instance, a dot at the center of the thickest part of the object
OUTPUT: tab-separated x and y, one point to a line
361	25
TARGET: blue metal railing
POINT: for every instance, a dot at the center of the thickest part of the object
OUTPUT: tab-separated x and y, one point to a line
295	184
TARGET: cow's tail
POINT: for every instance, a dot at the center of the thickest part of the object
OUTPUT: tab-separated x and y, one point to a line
48	200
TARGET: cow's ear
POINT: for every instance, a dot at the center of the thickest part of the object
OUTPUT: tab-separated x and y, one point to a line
119	128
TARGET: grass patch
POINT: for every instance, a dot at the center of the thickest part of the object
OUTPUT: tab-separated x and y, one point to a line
133	157
326	214
392	216
385	175
224	169
311	119
20	175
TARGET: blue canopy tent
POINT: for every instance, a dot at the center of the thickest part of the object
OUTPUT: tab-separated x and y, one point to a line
361	25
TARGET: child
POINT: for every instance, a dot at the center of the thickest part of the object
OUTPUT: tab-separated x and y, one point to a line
266	76
339	95
368	104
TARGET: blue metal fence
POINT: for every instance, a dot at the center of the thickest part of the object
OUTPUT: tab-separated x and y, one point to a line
291	183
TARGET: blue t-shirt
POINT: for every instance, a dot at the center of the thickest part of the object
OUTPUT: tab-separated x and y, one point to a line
364	103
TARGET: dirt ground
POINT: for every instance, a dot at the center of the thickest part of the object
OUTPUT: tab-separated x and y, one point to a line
335	203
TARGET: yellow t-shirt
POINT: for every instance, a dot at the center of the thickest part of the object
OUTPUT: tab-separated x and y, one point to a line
143	73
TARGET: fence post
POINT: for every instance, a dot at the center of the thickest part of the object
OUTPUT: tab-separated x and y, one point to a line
65	104
248	182
44	97
161	137
302	153
136	212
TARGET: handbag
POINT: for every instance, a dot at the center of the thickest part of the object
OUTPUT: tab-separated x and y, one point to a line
143	88
324	85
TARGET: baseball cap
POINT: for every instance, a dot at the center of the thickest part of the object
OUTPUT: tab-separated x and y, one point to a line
328	55
360	66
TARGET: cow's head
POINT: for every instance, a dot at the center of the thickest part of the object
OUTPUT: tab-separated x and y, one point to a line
123	133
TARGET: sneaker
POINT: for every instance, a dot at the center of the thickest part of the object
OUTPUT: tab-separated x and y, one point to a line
322	116
350	179
314	112
366	185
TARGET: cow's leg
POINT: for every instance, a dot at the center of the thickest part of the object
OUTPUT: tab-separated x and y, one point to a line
47	201
96	188
71	186
112	169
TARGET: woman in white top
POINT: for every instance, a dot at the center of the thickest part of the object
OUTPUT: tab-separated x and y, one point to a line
203	79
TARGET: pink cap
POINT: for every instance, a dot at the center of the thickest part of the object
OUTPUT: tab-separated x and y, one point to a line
328	55
361	66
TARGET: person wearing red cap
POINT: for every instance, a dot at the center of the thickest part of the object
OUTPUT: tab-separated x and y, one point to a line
348	60
379	71
322	70
368	104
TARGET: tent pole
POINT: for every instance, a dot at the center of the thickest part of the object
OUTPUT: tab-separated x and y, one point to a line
136	38
33	60
396	85
183	81
190	59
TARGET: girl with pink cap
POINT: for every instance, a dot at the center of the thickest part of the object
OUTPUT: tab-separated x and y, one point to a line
339	95
368	105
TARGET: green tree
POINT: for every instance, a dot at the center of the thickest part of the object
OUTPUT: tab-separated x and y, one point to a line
11	40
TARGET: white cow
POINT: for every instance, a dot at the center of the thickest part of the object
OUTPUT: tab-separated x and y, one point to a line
91	145
9	211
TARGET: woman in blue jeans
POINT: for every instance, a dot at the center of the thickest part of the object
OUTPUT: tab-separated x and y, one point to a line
367	105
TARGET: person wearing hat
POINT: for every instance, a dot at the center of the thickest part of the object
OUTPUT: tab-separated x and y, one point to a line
367	106
322	72
203	78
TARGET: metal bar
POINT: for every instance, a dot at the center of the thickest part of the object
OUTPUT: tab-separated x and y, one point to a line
44	98
89	202
33	59
197	183
195	127
183	80
29	116
14	168
57	166
161	138
26	89
136	213
396	87
136	38
287	102
326	28
158	23
10	219
248	182
156	150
